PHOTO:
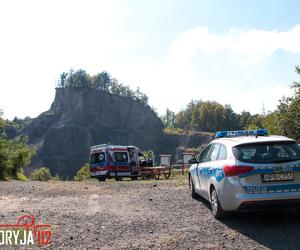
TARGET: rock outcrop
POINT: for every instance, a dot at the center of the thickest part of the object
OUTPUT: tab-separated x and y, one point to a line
81	117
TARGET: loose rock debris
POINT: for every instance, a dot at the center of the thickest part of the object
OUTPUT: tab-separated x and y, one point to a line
134	215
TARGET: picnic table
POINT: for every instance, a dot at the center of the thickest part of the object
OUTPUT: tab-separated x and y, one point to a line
156	172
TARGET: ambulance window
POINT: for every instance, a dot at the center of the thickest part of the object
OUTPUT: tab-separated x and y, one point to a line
121	156
97	157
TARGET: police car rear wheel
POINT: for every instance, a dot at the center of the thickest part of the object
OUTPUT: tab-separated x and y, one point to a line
192	188
216	208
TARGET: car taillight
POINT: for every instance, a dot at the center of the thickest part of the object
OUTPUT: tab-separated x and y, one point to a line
233	170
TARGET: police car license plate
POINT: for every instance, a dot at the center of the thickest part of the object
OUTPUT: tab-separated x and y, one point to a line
277	177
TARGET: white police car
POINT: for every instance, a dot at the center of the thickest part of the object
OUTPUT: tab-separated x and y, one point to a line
246	169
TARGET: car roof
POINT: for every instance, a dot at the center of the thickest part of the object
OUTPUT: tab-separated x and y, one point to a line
238	140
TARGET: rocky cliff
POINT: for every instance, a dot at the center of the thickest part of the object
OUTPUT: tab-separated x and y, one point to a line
82	117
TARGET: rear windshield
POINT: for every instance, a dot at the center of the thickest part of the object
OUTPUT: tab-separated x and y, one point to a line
270	152
97	157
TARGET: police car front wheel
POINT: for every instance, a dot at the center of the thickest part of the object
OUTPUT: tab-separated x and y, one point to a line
216	208
192	188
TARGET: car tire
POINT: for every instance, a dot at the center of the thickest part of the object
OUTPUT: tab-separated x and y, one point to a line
134	178
101	178
216	207
192	188
118	178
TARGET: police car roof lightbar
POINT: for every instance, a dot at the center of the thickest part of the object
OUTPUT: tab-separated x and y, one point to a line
257	132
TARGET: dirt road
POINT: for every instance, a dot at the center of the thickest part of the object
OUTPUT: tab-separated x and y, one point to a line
141	215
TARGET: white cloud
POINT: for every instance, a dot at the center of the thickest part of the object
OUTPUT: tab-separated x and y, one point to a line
253	43
234	67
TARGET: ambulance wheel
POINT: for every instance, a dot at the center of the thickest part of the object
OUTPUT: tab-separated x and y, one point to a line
118	178
102	178
216	207
134	178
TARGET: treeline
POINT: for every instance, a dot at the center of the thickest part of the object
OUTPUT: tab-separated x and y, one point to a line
12	127
15	154
101	81
211	116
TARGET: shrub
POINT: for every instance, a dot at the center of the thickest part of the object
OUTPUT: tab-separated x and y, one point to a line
83	173
21	177
56	178
41	174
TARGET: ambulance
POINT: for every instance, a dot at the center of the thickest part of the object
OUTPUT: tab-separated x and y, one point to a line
116	161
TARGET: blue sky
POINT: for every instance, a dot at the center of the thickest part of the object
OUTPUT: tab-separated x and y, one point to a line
241	53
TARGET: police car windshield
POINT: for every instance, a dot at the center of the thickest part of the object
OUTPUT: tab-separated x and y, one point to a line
267	152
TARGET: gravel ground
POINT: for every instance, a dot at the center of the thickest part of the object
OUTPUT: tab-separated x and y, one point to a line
141	215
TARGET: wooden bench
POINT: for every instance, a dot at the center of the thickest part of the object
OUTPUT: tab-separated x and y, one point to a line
156	172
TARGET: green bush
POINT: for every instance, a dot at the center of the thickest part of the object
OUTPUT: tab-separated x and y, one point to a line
21	177
83	173
56	178
41	174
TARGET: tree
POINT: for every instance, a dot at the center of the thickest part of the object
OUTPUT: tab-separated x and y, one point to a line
257	122
114	87
101	81
169	119
143	99
231	119
289	112
289	115
19	155
14	154
62	82
182	120
245	119
271	122
211	115
81	79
